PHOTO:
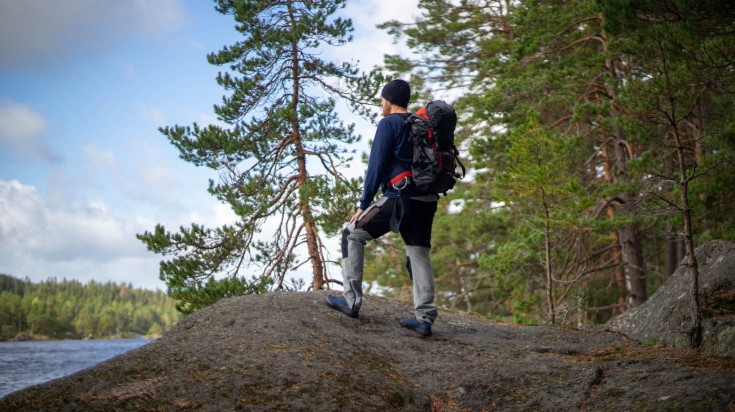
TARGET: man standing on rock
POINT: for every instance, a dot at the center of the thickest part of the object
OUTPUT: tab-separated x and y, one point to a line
400	207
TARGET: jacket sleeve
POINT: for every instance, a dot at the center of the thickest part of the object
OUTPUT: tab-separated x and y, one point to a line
378	163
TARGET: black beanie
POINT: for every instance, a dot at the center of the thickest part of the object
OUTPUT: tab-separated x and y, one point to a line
397	92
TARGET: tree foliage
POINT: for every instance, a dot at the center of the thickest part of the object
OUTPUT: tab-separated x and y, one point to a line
684	55
280	158
570	111
68	309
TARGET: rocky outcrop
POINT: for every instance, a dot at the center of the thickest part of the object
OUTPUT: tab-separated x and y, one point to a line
288	351
665	318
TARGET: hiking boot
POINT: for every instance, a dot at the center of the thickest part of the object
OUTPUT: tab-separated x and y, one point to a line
339	303
423	328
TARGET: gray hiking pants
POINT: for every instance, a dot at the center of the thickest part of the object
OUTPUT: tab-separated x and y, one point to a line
416	233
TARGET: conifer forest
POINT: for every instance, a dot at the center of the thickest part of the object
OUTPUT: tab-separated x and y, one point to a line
68	309
599	136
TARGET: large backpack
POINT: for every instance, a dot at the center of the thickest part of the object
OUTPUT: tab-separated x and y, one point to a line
435	157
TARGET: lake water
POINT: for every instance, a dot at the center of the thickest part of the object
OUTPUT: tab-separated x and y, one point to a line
24	364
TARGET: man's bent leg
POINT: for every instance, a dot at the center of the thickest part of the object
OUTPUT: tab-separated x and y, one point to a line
353	255
423	283
372	224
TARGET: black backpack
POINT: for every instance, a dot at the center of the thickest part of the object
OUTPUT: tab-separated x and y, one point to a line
435	157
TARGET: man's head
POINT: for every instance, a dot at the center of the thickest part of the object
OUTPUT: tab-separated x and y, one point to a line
396	92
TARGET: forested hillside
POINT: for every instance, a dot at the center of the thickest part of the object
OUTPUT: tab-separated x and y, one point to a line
69	309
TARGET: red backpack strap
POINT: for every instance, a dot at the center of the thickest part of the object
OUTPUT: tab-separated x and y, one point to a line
422	112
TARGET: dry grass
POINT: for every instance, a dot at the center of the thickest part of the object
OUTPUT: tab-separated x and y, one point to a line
693	358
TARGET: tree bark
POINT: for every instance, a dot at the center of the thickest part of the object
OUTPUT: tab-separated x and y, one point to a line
619	275
629	235
633	258
312	237
691	258
693	271
547	247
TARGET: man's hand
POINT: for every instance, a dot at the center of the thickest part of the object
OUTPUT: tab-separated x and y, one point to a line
357	216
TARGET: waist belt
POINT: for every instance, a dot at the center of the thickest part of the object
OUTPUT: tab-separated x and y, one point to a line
400	176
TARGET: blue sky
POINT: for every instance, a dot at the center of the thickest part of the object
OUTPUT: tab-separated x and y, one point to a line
84	86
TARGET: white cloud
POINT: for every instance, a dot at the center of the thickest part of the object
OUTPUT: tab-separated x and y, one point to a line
157	177
367	50
37	33
42	240
76	235
21	130
99	159
83	241
155	116
18	221
222	214
370	44
219	215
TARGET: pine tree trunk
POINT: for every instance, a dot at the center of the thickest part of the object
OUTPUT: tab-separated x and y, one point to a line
631	250
547	247
312	237
633	257
620	270
691	258
619	275
693	271
628	236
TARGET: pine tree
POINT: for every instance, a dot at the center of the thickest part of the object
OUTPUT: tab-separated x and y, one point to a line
280	159
566	65
685	55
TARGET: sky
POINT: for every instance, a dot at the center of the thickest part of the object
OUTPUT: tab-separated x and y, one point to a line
84	87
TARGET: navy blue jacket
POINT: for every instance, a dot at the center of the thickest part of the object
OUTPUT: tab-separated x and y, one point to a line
390	155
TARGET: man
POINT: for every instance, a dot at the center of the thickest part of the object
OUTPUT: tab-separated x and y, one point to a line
389	168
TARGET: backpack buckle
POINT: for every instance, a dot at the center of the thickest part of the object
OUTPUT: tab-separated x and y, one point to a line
401	180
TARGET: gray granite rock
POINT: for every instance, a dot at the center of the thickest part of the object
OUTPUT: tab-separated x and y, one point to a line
665	318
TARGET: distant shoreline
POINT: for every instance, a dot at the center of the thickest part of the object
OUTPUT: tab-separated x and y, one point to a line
43	338
71	310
